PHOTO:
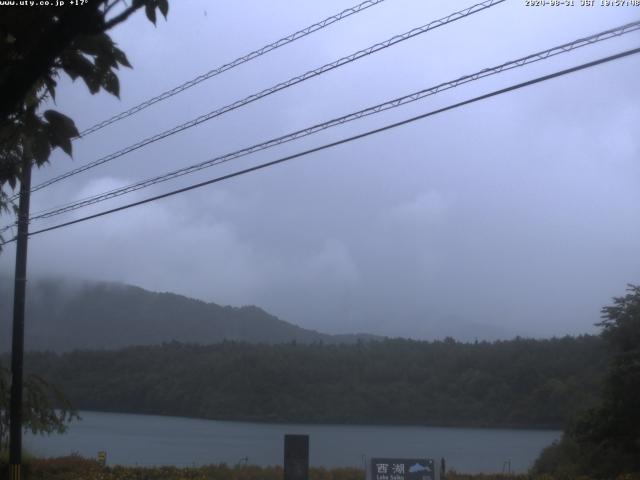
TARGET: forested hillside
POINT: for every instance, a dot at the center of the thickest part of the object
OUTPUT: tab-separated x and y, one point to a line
523	383
65	314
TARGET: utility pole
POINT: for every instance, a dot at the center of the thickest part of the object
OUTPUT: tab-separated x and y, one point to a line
17	346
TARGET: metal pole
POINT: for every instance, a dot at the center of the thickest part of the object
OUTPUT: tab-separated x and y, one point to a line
17	347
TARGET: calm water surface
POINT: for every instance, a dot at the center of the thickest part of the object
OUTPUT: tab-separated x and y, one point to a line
154	440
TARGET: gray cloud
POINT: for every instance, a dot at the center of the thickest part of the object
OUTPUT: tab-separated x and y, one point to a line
519	212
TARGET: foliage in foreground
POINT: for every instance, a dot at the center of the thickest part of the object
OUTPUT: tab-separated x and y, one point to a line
45	409
605	440
78	468
37	44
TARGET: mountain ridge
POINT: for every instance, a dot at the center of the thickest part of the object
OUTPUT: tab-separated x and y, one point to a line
64	315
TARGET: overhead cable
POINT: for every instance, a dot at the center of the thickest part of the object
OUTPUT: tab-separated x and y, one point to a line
228	66
280	86
390	104
343	141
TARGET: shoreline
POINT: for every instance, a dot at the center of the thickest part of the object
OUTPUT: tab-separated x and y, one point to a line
261	421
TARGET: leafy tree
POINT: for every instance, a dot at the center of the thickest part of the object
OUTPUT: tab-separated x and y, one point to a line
613	428
45	410
36	46
605	440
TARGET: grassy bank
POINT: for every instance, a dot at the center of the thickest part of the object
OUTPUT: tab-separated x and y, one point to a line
78	468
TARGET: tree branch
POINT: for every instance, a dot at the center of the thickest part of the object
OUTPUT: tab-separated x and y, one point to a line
121	17
108	7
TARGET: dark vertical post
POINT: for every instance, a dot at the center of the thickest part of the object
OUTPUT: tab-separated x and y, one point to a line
296	457
17	346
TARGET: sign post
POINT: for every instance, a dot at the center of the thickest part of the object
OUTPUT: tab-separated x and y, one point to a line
296	457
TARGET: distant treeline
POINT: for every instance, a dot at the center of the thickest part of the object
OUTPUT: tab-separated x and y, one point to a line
517	383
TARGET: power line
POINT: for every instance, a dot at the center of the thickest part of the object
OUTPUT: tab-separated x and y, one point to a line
9	227
228	66
280	86
345	140
535	57
221	69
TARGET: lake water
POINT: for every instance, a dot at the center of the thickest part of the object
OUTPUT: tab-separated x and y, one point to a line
156	440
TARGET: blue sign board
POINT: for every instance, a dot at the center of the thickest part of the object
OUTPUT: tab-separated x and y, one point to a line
402	469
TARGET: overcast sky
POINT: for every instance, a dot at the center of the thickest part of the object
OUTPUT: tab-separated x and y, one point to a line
520	213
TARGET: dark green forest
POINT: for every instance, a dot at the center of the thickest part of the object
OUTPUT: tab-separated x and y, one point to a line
517	383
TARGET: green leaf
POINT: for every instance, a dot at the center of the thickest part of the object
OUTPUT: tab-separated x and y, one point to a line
105	62
65	145
76	65
51	86
40	148
61	123
111	83
93	83
163	6
150	10
61	130
120	57
95	45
